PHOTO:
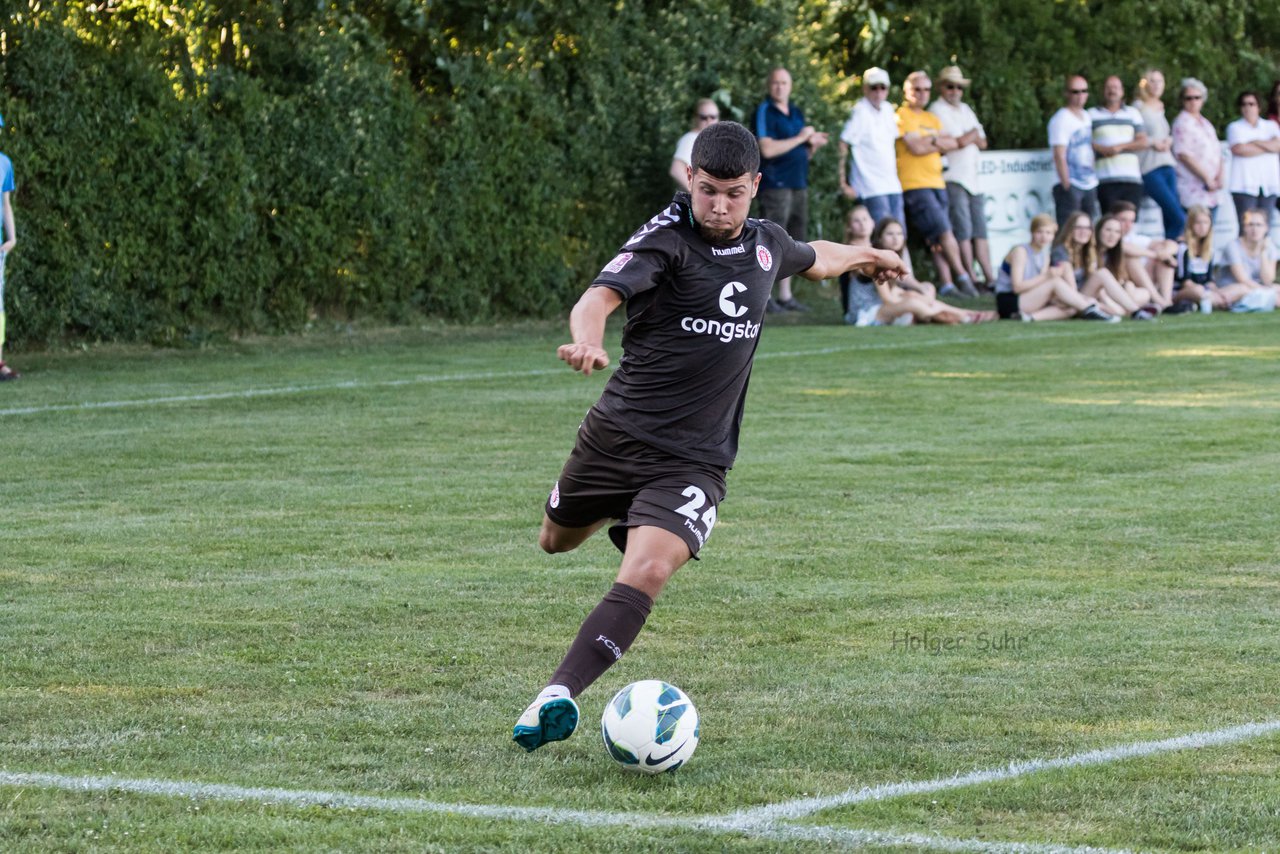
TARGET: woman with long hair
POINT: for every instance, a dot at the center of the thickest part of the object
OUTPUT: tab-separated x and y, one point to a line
1109	282
1158	176
1074	253
874	303
1193	277
1031	288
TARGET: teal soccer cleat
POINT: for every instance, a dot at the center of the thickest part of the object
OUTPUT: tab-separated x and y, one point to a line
546	720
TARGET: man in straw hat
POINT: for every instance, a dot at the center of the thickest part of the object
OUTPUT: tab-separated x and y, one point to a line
967	203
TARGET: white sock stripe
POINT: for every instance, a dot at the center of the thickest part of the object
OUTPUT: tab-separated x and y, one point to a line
800	808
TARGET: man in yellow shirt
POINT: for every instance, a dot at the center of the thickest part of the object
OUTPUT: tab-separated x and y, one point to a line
920	146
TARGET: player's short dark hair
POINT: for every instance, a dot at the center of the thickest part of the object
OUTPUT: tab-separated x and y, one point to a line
1120	206
726	150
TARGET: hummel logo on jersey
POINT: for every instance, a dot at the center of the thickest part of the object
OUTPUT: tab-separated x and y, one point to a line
732	250
667	217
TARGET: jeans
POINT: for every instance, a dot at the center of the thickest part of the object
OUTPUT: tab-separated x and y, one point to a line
1066	202
1162	186
889	204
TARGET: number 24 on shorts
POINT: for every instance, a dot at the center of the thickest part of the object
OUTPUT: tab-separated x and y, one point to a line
692	511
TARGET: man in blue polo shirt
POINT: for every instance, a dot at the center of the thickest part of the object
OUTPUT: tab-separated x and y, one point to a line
786	144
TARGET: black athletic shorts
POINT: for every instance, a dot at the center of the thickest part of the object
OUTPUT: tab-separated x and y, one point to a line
611	475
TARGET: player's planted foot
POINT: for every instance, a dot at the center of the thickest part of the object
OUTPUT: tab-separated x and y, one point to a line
546	720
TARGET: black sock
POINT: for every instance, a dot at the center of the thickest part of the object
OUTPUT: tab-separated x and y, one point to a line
605	635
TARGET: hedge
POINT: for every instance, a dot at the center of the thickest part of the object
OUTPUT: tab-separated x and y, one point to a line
248	166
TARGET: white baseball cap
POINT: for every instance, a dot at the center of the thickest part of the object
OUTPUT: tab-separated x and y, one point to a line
875	75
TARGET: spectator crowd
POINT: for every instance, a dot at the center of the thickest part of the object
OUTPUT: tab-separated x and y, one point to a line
912	170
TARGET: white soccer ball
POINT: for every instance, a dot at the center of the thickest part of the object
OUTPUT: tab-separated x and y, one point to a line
650	726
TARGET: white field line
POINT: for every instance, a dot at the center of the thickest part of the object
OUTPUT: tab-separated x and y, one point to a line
798	809
762	822
477	376
832	836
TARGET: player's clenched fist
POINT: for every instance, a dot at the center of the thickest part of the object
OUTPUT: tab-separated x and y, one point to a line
583	357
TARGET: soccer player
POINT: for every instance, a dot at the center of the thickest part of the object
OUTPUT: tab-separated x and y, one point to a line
653	452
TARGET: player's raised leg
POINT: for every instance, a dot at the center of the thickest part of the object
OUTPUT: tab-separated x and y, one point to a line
555	538
653	555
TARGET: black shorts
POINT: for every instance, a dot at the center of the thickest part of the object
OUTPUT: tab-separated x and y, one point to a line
612	475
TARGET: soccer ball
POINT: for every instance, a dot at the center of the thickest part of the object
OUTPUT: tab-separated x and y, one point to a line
650	726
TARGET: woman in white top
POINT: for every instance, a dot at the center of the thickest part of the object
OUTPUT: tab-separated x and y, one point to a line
705	113
1255	157
1158	176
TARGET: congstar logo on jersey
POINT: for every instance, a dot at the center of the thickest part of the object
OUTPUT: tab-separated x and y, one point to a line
725	330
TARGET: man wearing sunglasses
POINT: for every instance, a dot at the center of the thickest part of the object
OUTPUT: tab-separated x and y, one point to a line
867	141
705	114
1071	138
967	205
920	146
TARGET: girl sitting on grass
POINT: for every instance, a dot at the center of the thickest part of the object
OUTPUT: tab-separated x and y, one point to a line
1030	288
875	304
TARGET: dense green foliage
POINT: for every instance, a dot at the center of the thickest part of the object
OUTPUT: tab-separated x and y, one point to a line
245	165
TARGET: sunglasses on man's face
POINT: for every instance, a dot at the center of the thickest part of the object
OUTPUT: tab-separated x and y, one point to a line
1077	91
1193	97
951	87
878	86
708	118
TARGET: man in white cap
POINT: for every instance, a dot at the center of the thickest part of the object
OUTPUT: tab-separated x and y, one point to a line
869	136
967	204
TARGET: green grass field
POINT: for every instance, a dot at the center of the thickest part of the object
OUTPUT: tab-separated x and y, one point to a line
310	565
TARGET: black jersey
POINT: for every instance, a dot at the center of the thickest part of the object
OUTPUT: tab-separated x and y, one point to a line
694	312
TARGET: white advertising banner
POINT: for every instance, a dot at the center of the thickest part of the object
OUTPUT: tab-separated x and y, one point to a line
1019	184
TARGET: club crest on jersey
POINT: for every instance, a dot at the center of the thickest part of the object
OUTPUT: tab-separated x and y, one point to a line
765	257
618	262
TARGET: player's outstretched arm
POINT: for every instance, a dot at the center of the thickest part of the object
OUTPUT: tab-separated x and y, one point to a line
836	258
586	326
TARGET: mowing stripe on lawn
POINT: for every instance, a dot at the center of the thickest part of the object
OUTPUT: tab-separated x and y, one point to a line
477	376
